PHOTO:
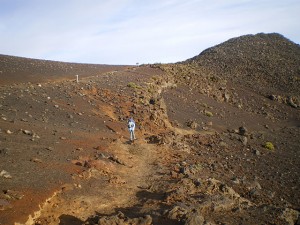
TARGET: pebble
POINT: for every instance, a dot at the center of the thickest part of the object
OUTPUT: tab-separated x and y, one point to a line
4	150
11	194
209	123
36	160
235	180
50	148
256	152
197	182
5	174
244	140
223	144
35	136
78	186
28	132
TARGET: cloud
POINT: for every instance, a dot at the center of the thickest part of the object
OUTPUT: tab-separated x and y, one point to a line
130	31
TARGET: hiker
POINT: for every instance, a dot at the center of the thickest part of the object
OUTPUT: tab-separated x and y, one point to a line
131	127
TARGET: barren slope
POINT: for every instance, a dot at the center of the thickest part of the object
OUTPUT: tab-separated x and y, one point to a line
22	70
266	63
200	158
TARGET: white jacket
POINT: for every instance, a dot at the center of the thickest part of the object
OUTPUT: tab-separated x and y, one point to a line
131	126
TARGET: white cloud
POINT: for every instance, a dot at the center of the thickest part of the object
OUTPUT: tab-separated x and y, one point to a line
130	31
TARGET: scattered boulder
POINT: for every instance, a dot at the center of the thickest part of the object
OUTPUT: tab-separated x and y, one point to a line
235	180
210	123
243	130
121	219
292	103
244	140
36	160
190	170
194	218
256	152
177	213
192	124
152	101
153	116
9	132
273	97
104	166
28	132
226	97
13	195
50	149
153	139
290	216
223	144
116	180
117	160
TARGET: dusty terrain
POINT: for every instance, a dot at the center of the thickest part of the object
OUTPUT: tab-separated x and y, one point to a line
217	139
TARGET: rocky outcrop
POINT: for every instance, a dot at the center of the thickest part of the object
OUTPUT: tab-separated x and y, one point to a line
121	219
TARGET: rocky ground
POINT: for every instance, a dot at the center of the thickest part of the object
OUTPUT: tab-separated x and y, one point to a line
209	149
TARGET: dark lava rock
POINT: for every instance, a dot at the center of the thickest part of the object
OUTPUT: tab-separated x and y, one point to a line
194	219
121	219
243	130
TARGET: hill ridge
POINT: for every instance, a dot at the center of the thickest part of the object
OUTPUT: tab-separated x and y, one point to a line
14	69
266	63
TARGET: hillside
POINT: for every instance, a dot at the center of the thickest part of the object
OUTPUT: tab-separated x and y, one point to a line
264	62
213	147
19	69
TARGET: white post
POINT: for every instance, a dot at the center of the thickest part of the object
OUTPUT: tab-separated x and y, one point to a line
77	78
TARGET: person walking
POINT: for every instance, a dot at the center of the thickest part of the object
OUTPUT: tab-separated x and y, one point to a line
131	127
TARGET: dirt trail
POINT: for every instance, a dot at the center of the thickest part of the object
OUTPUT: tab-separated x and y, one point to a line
92	196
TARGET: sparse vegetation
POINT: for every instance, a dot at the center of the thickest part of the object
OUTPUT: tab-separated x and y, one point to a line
208	113
269	145
155	78
133	85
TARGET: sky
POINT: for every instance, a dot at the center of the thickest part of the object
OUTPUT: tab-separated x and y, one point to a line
136	31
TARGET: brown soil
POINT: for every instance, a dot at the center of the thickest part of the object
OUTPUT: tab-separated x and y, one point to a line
199	157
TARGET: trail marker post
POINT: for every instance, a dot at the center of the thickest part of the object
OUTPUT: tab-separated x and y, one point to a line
77	78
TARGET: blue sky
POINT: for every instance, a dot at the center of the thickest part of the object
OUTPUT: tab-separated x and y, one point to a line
135	31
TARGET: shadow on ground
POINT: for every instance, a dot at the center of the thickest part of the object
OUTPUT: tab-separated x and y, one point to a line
134	212
69	220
